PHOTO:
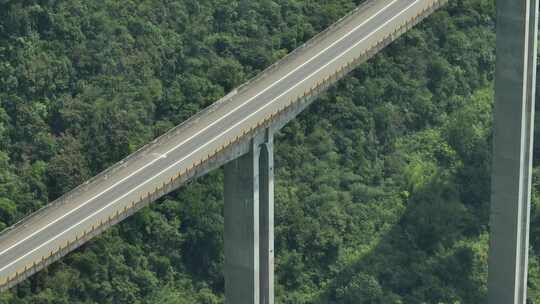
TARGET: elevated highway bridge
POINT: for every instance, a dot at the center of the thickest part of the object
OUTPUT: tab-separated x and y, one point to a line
235	131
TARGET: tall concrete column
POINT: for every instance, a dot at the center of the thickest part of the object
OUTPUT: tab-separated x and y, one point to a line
249	225
515	78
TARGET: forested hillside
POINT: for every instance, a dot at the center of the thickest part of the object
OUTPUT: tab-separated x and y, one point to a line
382	186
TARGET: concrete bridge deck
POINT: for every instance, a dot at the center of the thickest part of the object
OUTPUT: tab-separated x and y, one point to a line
208	140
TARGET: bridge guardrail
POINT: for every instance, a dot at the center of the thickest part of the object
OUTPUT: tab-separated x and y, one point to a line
120	214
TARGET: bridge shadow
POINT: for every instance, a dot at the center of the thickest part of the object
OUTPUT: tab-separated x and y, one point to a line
436	252
426	257
432	250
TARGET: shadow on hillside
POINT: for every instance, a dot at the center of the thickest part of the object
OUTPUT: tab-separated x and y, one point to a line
435	253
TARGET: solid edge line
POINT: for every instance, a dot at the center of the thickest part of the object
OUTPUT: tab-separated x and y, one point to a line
230	128
194	135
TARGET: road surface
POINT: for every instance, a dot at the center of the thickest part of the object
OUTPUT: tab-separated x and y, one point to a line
68	220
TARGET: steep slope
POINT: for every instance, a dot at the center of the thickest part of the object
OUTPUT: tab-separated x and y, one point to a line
382	185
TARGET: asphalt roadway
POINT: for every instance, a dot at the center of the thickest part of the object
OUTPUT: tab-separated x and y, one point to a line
44	232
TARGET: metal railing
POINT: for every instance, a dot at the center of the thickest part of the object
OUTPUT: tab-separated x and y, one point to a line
172	183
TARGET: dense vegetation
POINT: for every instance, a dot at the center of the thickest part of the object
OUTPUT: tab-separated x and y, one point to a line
382	185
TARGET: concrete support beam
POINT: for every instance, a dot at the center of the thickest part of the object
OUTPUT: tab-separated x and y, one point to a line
249	225
517	23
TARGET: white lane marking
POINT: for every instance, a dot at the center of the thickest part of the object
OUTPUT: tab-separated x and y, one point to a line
198	132
160	155
202	146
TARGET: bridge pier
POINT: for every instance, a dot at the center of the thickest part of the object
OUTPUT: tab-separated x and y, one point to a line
515	79
249	224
